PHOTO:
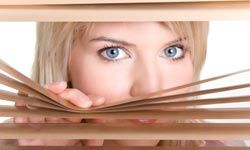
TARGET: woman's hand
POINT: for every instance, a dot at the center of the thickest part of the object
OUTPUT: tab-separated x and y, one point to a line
74	96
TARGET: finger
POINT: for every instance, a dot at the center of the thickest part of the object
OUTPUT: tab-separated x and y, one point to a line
20	120
20	104
94	142
60	142
30	142
55	120
73	120
76	97
31	107
34	142
36	119
21	93
97	100
56	87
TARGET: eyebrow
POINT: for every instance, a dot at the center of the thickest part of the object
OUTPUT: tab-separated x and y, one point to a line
125	43
176	40
107	39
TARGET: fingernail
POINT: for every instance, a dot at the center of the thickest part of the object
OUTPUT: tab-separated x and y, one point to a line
56	83
22	142
19	120
85	103
97	99
45	86
100	100
22	93
30	107
59	83
20	105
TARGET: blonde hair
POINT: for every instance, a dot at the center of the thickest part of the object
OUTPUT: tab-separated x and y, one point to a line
55	40
53	45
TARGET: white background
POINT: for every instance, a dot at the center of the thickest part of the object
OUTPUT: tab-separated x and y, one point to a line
228	51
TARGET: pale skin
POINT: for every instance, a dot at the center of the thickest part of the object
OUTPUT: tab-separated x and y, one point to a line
145	57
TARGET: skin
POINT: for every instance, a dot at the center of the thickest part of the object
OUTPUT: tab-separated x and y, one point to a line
140	68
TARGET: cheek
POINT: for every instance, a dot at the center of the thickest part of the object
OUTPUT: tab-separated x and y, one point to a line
176	75
94	78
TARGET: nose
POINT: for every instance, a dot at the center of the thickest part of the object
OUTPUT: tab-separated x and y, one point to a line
146	80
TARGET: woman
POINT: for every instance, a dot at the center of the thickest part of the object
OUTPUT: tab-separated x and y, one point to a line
90	64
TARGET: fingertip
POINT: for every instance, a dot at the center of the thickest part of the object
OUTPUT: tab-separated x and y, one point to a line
20	105
56	87
22	93
36	120
22	142
97	100
73	120
63	84
20	120
46	86
100	101
77	98
84	103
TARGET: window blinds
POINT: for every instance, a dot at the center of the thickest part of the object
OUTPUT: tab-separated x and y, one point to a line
68	2
123	10
48	104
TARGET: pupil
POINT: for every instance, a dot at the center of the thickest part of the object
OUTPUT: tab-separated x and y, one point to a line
170	52
113	53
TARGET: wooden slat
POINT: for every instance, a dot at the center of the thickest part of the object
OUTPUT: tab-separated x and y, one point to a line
12	83
190	103
191	84
68	2
129	12
32	85
176	96
8	111
181	131
8	96
3	147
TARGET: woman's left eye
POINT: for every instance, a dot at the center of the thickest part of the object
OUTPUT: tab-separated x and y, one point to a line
173	52
114	53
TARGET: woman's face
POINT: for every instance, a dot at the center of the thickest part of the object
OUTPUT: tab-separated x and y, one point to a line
122	60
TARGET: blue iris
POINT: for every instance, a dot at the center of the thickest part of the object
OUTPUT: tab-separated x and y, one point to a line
112	52
170	51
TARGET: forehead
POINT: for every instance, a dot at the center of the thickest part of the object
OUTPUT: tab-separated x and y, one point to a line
132	29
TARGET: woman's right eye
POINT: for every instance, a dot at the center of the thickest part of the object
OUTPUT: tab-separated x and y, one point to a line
114	53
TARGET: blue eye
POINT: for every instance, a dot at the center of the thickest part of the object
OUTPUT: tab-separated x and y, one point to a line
174	52
114	53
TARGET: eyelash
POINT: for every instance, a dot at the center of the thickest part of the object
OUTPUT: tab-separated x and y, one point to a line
108	47
179	45
184	49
